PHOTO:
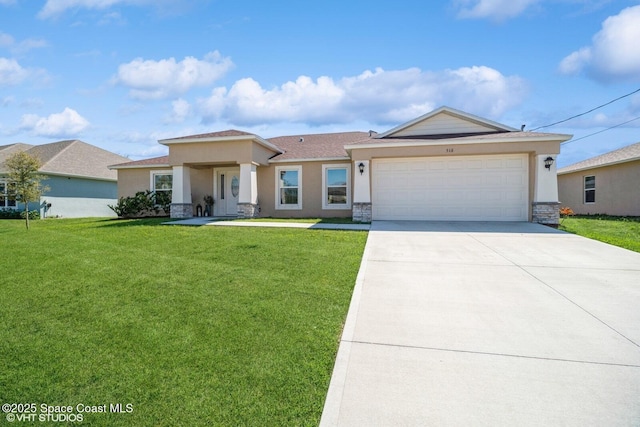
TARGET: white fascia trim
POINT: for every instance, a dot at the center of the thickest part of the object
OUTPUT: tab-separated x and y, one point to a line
455	141
319	159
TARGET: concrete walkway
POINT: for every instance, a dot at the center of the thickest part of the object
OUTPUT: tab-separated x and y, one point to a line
222	222
489	324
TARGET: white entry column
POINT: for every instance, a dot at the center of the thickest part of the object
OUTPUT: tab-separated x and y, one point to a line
181	205
545	208
248	196
361	211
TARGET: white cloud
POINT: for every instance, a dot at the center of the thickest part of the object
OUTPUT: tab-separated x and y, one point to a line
6	40
181	109
614	53
149	79
53	8
11	73
59	125
498	10
378	96
7	2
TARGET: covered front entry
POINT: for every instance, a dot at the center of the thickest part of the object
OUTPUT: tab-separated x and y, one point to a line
227	191
455	188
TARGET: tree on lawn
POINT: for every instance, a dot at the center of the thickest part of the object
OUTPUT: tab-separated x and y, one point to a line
25	183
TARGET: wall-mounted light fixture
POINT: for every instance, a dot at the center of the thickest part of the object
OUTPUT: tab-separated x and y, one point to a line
548	162
361	168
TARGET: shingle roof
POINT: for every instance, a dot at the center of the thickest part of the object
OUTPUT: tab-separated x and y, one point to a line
71	158
220	134
155	161
621	155
316	146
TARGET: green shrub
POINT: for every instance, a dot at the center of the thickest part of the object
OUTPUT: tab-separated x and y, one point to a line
32	214
144	203
9	214
18	214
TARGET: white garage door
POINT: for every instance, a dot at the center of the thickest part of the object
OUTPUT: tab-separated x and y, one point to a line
461	188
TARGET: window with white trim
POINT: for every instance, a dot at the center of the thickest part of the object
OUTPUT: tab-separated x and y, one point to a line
161	185
590	189
289	187
336	189
5	201
161	181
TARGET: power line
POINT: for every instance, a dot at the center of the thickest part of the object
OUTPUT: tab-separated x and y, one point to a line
600	131
587	112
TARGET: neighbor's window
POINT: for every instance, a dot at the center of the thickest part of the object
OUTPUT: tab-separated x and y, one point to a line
589	189
289	187
5	202
335	187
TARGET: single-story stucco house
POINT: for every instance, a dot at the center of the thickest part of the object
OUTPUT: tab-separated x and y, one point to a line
606	184
79	180
444	165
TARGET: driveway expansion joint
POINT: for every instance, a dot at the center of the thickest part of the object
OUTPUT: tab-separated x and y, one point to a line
488	353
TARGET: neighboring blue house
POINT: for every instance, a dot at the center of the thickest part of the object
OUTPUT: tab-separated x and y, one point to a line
80	182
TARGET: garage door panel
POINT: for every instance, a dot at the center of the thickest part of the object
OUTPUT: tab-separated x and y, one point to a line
492	188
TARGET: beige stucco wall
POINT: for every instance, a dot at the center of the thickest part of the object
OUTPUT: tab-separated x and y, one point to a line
130	181
311	192
235	152
201	185
617	190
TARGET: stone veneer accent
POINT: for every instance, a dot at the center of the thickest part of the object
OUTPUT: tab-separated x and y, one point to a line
361	212
248	210
181	210
547	213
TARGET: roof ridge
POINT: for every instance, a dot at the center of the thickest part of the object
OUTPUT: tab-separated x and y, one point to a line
71	142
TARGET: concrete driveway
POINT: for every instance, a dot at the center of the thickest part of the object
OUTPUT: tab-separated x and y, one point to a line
467	324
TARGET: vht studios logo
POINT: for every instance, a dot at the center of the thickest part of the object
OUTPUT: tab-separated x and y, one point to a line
119	407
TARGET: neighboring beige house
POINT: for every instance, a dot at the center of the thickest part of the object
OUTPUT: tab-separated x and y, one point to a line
79	180
444	165
606	184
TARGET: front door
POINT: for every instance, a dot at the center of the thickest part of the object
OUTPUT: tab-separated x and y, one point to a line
228	188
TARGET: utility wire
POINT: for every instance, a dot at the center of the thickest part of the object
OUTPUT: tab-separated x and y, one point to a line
600	131
587	112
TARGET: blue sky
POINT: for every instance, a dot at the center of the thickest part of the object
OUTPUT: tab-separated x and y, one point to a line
121	74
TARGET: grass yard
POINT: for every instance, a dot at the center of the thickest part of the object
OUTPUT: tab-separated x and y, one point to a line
623	232
190	325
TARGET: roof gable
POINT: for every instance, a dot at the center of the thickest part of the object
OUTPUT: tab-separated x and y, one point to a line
621	155
445	122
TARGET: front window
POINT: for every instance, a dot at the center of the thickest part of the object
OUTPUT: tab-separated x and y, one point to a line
589	189
5	201
289	187
161	184
335	185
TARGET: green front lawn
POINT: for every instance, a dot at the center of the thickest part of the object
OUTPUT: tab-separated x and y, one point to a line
191	325
623	232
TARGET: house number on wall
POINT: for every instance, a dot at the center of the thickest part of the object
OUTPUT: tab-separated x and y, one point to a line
449	150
